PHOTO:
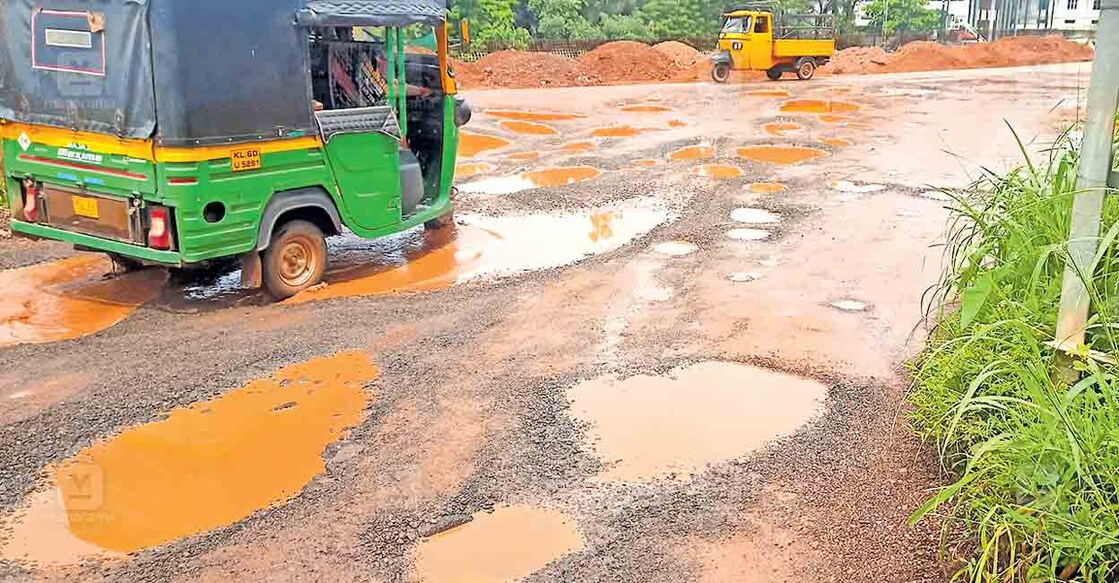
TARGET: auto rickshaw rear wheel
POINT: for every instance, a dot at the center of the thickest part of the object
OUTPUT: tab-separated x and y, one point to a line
773	74
441	222
720	72
806	68
295	259
125	263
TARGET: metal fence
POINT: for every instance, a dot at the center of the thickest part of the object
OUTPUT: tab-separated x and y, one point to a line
568	48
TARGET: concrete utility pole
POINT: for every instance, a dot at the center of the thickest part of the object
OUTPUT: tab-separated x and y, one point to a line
1095	170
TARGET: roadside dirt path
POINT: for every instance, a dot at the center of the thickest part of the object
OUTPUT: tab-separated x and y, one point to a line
636	372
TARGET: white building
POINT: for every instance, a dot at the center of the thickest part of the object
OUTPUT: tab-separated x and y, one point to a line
1073	14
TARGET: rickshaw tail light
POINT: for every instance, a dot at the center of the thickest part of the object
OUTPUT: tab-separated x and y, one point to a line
30	202
159	228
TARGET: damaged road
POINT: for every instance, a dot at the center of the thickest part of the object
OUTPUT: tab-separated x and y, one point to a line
665	342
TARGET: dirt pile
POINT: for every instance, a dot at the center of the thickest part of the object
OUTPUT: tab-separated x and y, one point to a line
627	62
930	56
521	69
682	55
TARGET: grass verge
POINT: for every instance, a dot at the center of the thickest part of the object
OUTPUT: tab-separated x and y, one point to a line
1037	458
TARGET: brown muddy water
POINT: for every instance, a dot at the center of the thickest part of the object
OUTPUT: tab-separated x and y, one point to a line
780	128
576	147
618	131
781	155
470	145
647	427
768	93
199	468
70	298
471	169
819	106
767	187
532	115
528	128
721	171
836	142
692	153
508	544
646	108
523	156
543	178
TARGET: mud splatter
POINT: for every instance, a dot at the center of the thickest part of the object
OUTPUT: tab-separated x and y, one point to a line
533	115
767	188
620	131
470	169
819	106
508	544
470	145
528	128
70	298
780	128
718	412
202	467
720	171
782	155
692	153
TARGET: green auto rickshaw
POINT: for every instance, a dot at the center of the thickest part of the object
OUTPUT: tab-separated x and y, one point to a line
180	132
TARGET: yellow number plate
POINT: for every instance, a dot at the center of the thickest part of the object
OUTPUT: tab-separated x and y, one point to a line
245	159
85	207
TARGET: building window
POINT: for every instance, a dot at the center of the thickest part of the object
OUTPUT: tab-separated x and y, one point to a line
1072	4
1096	5
1070	22
1095	22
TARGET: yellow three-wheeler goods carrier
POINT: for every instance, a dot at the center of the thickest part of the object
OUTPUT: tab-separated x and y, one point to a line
760	37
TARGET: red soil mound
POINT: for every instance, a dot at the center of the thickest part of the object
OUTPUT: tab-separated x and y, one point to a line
521	69
929	56
627	62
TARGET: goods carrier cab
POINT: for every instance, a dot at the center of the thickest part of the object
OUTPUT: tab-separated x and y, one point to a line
762	37
179	132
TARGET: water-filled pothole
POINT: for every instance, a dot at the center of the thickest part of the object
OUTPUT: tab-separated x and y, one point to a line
528	128
523	156
721	171
70	298
532	115
470	169
748	234
819	106
836	142
754	216
783	155
543	178
767	187
617	131
578	147
692	153
768	93
675	248
470	145
508	544
199	468
645	427
646	162
780	128
646	108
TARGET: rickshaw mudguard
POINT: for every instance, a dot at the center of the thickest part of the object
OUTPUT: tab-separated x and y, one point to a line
721	57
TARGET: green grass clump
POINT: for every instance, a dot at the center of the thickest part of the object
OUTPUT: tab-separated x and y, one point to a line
1037	458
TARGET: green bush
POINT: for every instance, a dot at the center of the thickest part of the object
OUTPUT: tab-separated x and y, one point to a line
1036	457
627	27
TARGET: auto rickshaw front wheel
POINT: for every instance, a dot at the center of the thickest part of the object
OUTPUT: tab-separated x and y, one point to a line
720	72
773	74
295	259
806	68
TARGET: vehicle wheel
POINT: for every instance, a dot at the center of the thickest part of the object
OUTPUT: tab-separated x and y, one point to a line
125	263
720	72
773	74
447	220
295	259
806	68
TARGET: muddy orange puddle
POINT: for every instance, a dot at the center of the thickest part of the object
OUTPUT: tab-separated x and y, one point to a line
675	123
470	145
832	118
529	128
205	466
616	132
836	142
68	299
717	411
819	106
522	156
576	147
646	108
784	155
646	162
767	187
507	545
780	128
768	93
717	171
533	115
692	153
472	169
561	175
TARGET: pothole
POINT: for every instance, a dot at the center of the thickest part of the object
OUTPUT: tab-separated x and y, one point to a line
676	123
533	115
768	93
780	128
833	118
647	427
721	171
767	188
577	147
819	106
70	298
754	216
645	162
675	248
470	169
836	142
470	145
544	178
508	544
646	108
748	234
782	155
523	156
481	246
618	131
692	153
199	468
849	305
528	128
